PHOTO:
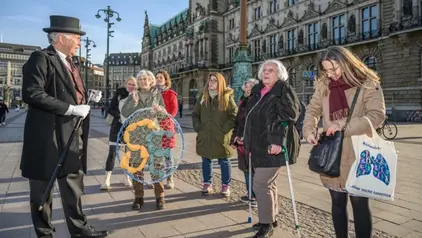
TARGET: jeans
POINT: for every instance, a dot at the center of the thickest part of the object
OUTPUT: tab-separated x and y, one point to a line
226	171
247	183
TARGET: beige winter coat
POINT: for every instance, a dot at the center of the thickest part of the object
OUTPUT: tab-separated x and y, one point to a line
370	103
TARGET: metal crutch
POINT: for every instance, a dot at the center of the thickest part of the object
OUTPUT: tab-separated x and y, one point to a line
292	195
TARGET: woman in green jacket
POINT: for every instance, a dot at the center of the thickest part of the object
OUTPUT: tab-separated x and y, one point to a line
213	119
147	96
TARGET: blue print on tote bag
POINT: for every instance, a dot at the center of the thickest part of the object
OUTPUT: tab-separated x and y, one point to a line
378	165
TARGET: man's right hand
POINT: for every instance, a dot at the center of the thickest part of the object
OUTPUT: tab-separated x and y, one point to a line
79	110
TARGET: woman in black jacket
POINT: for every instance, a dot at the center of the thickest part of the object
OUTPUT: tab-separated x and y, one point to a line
272	112
237	139
118	98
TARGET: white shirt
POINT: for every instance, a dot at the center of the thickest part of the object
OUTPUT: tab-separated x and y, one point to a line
63	58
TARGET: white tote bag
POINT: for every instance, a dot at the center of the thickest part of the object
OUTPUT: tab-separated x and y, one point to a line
373	174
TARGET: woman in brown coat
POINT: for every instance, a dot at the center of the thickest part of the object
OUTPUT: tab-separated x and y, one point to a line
341	74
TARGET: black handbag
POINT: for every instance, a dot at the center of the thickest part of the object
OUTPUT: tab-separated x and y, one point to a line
325	157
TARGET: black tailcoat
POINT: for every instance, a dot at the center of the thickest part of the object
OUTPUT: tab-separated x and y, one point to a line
48	90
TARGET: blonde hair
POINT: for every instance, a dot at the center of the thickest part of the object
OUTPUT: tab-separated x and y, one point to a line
221	88
281	70
354	71
147	73
131	79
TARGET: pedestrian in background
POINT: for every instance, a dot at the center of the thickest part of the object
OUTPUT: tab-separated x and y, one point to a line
3	110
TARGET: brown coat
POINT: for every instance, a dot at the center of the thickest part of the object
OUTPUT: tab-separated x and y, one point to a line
370	103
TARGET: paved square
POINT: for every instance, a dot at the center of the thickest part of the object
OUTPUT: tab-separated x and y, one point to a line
188	214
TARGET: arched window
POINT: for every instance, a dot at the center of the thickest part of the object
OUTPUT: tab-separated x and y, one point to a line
292	76
371	62
312	68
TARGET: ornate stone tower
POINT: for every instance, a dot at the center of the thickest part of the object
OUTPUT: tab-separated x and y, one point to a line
146	52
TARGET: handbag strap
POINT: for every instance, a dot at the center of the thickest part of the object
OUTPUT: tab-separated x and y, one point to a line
352	108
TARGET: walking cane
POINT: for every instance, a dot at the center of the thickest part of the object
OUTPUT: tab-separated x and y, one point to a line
94	95
292	195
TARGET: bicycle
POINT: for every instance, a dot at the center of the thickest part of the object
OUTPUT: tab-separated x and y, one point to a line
388	130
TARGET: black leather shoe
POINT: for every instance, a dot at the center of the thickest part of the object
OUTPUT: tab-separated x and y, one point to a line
90	233
138	203
160	203
258	225
265	230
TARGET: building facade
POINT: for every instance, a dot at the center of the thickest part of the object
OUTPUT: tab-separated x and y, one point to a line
122	66
386	35
12	58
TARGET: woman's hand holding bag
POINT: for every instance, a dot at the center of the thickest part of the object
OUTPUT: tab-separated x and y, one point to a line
374	172
326	154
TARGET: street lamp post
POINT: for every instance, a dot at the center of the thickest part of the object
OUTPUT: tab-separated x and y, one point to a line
109	13
87	44
242	68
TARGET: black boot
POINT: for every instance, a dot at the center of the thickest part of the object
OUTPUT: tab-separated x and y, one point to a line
160	203
258	225
90	233
265	230
138	203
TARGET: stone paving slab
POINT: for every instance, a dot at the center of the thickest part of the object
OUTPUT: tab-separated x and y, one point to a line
112	210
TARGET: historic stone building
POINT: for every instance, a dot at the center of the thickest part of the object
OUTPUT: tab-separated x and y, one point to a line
122	66
12	58
386	35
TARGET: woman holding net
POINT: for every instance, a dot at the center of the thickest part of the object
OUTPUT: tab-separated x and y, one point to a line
146	97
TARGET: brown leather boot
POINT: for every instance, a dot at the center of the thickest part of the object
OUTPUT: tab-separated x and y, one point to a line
160	203
138	203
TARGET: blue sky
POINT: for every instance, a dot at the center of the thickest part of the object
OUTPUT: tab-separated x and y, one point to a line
21	21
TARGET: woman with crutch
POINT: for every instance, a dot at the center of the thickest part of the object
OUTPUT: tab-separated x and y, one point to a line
236	140
271	114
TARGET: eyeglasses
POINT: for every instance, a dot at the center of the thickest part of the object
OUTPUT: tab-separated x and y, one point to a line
330	71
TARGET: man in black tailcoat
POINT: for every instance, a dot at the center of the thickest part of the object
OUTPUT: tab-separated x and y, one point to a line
55	95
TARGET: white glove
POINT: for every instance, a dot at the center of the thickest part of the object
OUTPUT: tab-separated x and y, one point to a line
79	110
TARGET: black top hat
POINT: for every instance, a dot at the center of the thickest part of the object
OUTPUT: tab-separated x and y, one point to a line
64	24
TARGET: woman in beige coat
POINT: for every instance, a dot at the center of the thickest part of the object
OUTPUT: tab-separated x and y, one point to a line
341	74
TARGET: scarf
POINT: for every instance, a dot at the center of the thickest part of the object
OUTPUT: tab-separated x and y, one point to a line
161	88
339	108
213	93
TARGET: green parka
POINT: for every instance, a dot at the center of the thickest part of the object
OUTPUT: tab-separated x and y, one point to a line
214	127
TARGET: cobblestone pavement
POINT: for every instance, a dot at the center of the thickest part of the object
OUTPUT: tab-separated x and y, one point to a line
215	217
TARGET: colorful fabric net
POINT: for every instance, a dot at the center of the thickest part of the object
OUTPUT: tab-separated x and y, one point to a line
151	142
